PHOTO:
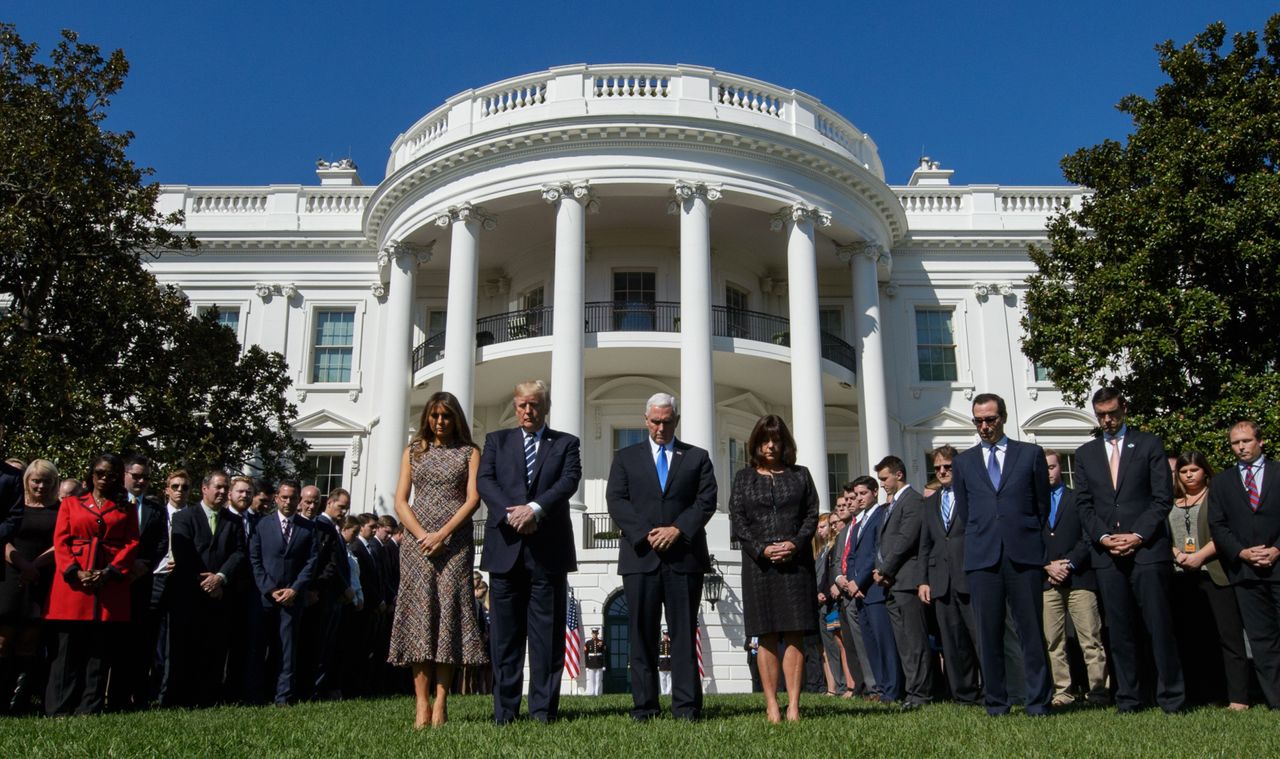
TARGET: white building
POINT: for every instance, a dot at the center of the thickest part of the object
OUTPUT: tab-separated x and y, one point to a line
620	230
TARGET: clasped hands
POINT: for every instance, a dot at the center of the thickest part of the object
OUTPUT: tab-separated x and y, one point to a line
522	519
431	543
1262	557
1122	544
780	552
284	596
1058	570
849	588
92	579
211	583
662	538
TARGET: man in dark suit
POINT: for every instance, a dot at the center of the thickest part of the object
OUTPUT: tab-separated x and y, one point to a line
1244	518
130	683
1002	488
526	478
283	555
208	555
246	657
873	616
1070	589
323	599
661	494
900	571
1124	492
177	486
359	653
945	585
848	510
334	592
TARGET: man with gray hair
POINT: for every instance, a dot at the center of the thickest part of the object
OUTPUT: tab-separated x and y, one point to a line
661	494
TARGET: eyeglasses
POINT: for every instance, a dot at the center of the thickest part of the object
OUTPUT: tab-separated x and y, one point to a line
942	468
139	475
1109	414
981	420
176	486
104	473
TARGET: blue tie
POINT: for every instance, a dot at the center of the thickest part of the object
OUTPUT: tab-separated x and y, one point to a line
1054	499
662	467
993	469
530	456
946	509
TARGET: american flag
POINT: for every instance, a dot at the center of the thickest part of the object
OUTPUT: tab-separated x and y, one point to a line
573	638
697	643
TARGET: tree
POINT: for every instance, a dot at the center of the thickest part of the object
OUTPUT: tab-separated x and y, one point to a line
1167	280
98	356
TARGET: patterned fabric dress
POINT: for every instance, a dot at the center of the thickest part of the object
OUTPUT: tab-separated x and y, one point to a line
435	618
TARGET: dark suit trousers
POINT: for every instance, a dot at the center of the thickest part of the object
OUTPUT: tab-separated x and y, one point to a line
680	594
882	651
527	603
1260	610
198	645
959	653
283	625
78	674
317	648
1209	620
1133	595
130	686
1018	589
911	633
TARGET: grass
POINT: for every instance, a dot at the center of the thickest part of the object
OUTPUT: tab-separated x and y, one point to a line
598	728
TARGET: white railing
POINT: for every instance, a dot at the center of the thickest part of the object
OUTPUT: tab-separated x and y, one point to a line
697	93
637	85
228	203
331	202
1033	202
933	202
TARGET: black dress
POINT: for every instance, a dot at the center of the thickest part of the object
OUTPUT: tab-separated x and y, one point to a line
20	602
767	509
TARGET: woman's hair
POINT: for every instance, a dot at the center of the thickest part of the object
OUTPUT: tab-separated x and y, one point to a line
425	436
1190	457
43	468
820	544
771	427
117	466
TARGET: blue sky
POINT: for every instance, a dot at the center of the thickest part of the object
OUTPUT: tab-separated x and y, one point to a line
238	92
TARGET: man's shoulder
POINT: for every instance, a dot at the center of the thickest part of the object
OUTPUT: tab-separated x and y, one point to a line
1138	438
558	437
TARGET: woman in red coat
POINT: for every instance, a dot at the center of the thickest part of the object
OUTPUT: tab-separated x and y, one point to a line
94	543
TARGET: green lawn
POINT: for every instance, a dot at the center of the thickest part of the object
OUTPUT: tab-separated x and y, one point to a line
599	729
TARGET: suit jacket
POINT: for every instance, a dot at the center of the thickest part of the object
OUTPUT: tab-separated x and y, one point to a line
12	502
900	542
1066	539
1139	502
370	586
638	504
862	557
1007	521
153	544
86	537
196	550
333	573
1235	526
501	481
277	564
388	556
942	550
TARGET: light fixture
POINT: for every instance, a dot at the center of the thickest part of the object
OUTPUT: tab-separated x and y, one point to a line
713	583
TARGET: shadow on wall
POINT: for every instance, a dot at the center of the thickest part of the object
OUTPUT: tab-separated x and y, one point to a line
730	609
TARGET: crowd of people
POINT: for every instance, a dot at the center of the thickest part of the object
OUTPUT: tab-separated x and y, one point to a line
996	585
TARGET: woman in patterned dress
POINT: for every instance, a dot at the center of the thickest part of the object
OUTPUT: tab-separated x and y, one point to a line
435	627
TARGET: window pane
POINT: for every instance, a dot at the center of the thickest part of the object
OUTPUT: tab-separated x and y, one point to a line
935	346
837	474
628	436
334	340
829	321
328	469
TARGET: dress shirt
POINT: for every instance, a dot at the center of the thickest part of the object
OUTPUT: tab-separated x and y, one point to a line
1257	465
166	564
668	451
537	441
211	513
864	518
1000	448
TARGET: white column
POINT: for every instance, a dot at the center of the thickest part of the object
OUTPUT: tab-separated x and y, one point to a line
568	319
394	372
697	385
807	409
460	325
873	404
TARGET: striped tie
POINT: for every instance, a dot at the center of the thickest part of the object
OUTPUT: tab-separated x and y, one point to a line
1251	485
530	455
946	509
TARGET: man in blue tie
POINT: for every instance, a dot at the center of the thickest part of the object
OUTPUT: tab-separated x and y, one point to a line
1002	488
661	494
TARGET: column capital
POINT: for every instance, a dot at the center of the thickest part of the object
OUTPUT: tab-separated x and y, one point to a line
685	190
984	290
577	190
798	212
378	290
872	251
466	213
419	252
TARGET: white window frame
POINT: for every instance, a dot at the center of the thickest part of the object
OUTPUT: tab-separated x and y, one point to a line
244	307
960	332
357	345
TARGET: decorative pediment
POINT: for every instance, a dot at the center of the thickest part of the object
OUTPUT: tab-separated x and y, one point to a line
326	422
1061	418
746	403
948	420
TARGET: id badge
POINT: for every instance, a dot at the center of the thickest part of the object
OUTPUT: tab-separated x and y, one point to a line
1189	545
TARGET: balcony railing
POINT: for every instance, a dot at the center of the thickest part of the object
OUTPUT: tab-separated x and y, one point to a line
636	316
599	531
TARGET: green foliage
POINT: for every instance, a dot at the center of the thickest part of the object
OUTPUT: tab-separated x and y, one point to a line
97	355
1168	279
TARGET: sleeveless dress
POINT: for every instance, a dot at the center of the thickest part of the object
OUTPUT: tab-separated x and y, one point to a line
435	617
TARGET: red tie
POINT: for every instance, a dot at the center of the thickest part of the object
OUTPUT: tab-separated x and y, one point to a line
1251	485
848	543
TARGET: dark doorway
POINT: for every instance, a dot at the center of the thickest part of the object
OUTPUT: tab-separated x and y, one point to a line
617	637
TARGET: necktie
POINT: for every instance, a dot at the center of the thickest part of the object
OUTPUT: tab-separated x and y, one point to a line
213	522
286	529
1251	485
993	468
662	467
530	455
849	538
1054	499
1115	462
947	506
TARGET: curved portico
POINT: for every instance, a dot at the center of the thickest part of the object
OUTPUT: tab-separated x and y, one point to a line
768	187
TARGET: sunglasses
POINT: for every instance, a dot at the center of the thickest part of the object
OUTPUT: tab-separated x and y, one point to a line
981	420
